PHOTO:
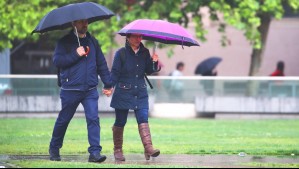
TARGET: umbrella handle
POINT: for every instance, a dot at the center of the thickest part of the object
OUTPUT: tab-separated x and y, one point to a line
87	51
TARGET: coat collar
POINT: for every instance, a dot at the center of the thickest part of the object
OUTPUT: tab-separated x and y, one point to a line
129	48
72	35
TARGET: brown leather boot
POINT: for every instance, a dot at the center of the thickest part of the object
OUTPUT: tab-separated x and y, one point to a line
146	139
118	143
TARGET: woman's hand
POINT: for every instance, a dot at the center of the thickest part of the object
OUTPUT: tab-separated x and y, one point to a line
108	92
155	58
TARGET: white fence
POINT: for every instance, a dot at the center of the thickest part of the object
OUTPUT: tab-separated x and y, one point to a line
198	95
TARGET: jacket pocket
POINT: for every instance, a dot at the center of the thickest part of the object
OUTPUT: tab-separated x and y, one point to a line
64	75
125	86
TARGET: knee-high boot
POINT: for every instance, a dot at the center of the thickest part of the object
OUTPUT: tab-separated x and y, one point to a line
146	139
118	143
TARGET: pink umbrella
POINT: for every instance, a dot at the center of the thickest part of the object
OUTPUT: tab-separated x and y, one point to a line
160	31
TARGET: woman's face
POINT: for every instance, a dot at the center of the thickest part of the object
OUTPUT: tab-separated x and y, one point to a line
135	40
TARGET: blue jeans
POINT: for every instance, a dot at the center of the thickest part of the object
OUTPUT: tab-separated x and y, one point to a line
122	116
70	101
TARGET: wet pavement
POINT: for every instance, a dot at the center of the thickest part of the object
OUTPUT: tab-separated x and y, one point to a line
222	161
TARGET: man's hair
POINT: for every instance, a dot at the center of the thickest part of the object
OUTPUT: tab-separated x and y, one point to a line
280	66
179	65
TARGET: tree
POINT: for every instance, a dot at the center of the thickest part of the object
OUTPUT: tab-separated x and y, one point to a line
19	18
253	17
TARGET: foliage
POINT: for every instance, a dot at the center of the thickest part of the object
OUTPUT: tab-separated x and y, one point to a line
19	18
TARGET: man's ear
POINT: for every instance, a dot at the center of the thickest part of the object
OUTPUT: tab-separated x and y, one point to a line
73	24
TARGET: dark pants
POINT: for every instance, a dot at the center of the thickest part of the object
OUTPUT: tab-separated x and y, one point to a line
122	116
70	101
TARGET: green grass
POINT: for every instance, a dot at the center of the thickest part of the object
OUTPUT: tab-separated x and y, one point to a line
261	137
204	137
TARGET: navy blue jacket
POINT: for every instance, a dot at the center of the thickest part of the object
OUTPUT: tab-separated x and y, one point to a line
80	73
128	79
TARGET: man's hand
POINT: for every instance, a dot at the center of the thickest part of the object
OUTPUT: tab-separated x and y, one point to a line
108	92
155	58
81	51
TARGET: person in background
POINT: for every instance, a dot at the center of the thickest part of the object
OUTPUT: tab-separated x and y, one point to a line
179	70
176	86
279	70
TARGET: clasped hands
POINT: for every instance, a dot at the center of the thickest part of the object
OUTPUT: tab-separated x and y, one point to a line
108	92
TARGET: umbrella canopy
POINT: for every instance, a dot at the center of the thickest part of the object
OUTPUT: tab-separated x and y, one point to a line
207	66
160	31
63	17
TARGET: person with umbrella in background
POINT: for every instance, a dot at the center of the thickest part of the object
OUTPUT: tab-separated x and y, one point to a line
208	68
131	65
80	60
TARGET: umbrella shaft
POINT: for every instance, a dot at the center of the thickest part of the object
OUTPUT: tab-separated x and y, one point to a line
77	36
155	47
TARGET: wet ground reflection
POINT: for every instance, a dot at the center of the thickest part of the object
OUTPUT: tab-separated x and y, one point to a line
224	161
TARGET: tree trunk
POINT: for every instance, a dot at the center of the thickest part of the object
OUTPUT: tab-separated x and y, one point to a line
257	54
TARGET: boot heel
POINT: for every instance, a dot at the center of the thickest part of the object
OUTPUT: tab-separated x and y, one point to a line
147	156
156	153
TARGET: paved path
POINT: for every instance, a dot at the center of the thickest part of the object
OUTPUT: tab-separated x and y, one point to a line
222	161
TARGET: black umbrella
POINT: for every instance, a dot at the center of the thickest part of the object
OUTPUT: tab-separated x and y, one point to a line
206	67
63	17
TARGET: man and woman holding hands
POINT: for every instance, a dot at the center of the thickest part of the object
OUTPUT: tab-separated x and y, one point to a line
79	71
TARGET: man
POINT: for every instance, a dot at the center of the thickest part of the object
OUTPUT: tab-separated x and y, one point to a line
79	70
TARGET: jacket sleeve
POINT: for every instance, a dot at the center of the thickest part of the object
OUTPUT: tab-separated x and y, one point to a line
116	68
150	64
64	59
102	68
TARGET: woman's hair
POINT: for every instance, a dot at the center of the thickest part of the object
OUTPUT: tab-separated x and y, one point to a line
128	35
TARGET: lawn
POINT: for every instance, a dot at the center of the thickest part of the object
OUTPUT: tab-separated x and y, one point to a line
255	137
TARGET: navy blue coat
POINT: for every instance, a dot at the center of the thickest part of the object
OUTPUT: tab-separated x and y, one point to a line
81	73
128	79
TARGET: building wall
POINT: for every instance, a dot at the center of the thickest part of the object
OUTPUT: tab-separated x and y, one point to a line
282	44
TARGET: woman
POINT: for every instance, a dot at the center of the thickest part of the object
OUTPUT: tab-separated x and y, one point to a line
130	65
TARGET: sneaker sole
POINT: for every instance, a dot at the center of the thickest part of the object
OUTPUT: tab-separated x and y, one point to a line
55	159
98	161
